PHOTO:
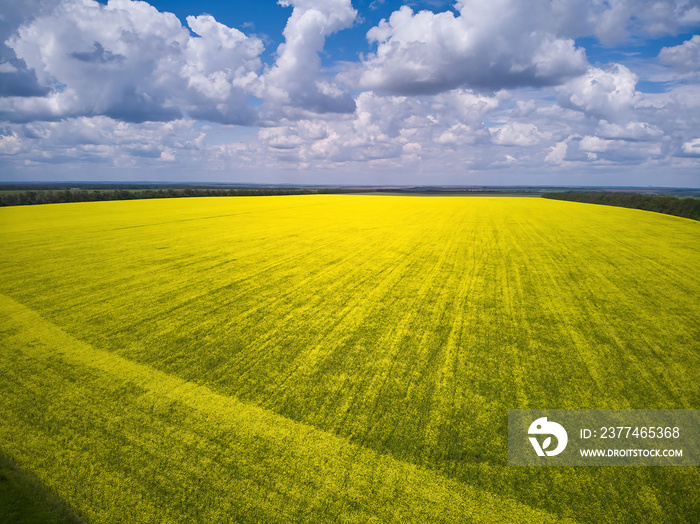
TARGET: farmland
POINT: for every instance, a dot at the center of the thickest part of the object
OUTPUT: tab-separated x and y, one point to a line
342	358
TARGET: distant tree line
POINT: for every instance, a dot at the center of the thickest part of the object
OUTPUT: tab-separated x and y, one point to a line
681	207
31	197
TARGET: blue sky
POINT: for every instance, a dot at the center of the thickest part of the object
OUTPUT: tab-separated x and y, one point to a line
268	19
469	92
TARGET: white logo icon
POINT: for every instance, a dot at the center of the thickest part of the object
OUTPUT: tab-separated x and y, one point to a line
543	427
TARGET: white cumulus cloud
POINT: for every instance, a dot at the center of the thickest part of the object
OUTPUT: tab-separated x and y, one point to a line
685	57
104	140
692	147
295	80
629	131
557	154
128	61
487	45
604	93
517	134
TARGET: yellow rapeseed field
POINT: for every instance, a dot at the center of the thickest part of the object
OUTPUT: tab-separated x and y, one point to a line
339	358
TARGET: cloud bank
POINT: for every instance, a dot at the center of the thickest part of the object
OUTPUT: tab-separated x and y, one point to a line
488	90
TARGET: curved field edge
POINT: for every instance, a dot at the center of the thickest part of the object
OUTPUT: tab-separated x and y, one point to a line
125	443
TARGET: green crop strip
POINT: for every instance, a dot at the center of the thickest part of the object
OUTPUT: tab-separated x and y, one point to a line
339	358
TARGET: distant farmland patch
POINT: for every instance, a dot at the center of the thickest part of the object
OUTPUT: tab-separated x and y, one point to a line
339	358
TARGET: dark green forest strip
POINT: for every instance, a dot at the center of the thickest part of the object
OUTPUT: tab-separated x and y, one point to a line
32	194
32	197
24	500
680	207
22	195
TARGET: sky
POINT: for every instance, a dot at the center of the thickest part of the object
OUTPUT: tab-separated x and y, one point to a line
365	92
